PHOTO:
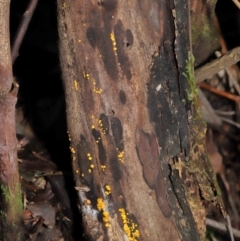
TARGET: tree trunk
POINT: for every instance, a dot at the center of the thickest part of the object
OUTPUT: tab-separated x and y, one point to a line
10	188
136	134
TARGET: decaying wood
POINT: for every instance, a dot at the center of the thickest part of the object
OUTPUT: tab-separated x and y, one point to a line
10	189
133	122
205	36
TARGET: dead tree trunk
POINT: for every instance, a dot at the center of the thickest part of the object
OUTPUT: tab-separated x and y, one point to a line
136	134
10	189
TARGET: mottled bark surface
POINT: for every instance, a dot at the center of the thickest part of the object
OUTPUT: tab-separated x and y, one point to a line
10	189
205	36
129	118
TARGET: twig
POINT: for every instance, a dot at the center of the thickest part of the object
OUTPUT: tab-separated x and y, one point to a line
233	78
220	92
230	122
228	59
39	226
237	3
23	28
229	225
226	113
221	227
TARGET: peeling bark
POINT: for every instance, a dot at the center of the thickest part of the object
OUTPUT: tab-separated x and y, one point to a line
124	66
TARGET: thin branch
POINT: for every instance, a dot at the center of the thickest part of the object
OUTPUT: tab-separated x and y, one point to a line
229	226
220	92
230	122
237	3
226	113
221	227
208	70
23	28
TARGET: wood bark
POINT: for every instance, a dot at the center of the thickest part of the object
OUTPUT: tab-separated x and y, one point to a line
10	189
205	35
131	121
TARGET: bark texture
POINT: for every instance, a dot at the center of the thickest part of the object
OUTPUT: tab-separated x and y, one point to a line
128	92
10	189
205	36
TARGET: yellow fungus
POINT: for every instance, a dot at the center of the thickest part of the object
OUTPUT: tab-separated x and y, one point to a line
120	156
77	171
129	227
92	166
112	37
76	85
100	204
103	167
107	190
105	217
72	150
107	225
108	187
89	170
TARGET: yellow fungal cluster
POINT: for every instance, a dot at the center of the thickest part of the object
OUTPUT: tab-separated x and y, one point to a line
86	75
108	190
72	150
106	218
105	214
103	167
96	90
100	124
69	137
120	156
75	84
112	37
129	227
98	139
100	204
63	6
89	157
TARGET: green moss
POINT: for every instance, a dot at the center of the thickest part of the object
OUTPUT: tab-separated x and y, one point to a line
13	198
192	92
